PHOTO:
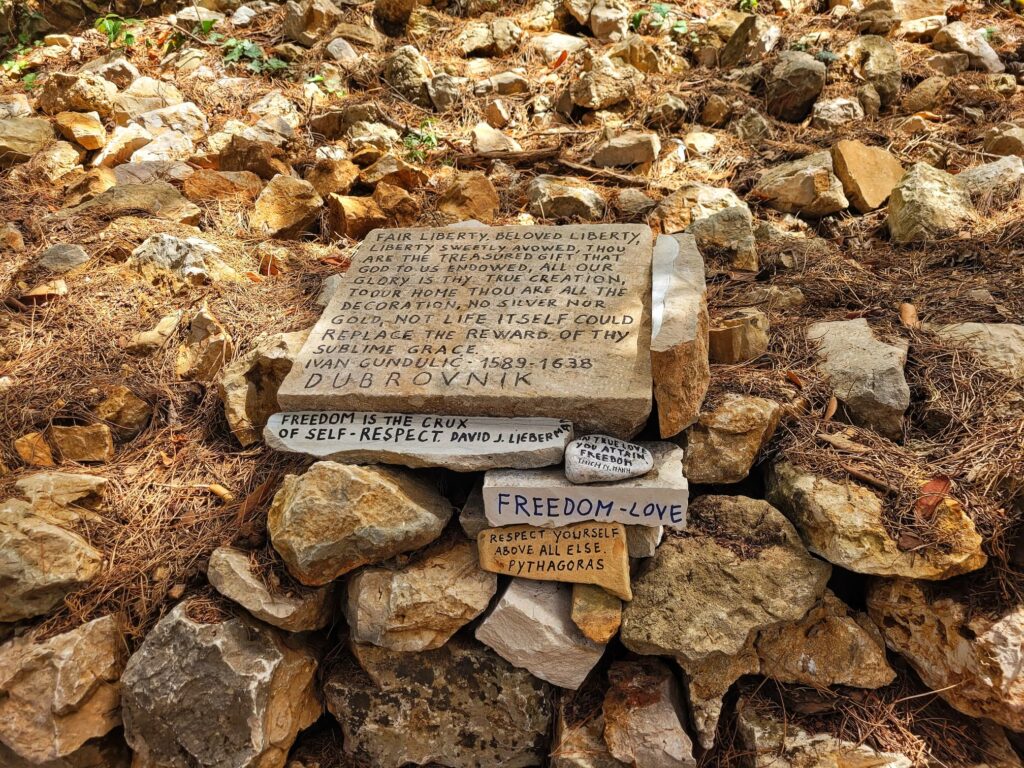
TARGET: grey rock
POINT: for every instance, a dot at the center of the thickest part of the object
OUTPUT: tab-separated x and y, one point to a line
191	260
829	115
730	230
866	374
949	64
63	257
996	182
604	82
874	59
668	111
444	92
793	85
158	199
550	46
555	197
751	126
997	345
754	37
328	288
928	204
959	38
461	705
609	19
1005	139
600	458
409	73
230	693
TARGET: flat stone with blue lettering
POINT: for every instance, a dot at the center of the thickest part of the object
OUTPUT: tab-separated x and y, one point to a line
460	443
546	498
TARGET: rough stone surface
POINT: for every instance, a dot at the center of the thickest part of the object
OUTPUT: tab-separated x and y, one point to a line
996	345
604	82
531	627
79	92
643	716
470	196
928	204
409	73
866	374
124	412
418	606
806	186
580	743
868	174
959	38
58	693
63	257
553	197
63	497
84	128
596	612
793	85
231	573
833	113
996	182
971	659
191	260
738	336
85	444
633	148
307	22
158	199
725	442
875	61
230	693
679	333
286	207
21	138
690	203
461	705
844	523
336	517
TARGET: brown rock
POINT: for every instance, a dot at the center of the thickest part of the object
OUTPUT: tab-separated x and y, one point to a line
392	16
332	177
93	183
739	336
208	347
308	21
92	443
259	157
206	184
353	217
596	612
391	169
927	96
123	410
34	450
58	693
158	199
84	128
868	173
286	207
471	196
724	443
398	205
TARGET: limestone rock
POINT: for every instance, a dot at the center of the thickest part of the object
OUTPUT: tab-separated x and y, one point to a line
107	752
145	94
643	716
63	257
332	176
707	683
81	92
531	627
58	693
207	348
959	38
997	345
259	157
596	612
461	705
1004	139
409	73
793	85
927	96
147	342
738	336
609	20
604	82
679	333
167	147
85	444
226	693
250	382
396	204
579	743
993	183
33	449
697	596
828	646
690	203
875	61
866	374
829	115
752	38
868	173
632	148
62	497
470	196
554	197
972	659
487	141
806	186
158	199
844	523
185	118
84	128
418	606
391	169
337	517
308	21
729	231
40	562
353	217
724	443
124	412
163	258
21	138
551	45
231	573
286	207
928	204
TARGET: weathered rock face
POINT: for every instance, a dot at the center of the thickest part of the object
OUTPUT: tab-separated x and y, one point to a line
958	37
63	497
868	174
250	382
844	523
552	197
581	744
692	202
829	646
604	82
866	374
87	444
470	197
724	595
631	148
1004	139
997	345
738	336
58	693
996	182
596	612
793	85
874	59
806	186
231	573
730	230
461	705
643	716
40	562
928	204
679	332
207	347
163	258
21	138
420	605
286	207
224	694
531	627
158	199
307	22
409	73
81	92
724	443
972	660
337	517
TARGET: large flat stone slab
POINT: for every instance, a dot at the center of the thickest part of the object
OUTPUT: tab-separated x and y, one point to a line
488	321
546	498
461	443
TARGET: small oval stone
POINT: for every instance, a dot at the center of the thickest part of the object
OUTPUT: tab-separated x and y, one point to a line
600	458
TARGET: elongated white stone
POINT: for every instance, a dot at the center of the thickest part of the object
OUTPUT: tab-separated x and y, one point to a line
600	458
461	443
545	498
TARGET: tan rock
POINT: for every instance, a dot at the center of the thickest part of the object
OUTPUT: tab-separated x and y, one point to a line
259	157
206	185
64	497
84	128
249	385
471	196
21	138
147	342
353	217
230	572
332	177
844	523
596	612
393	170
92	443
868	173
418	606
709	680
58	693
679	334
337	517
94	182
488	141
308	21
158	199
123	142
724	443
739	336
208	347
971	658
579	741
398	205
33	449
125	412
286	207
77	92
144	94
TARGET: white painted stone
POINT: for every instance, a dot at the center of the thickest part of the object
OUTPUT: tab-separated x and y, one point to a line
532	628
547	498
600	458
461	443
